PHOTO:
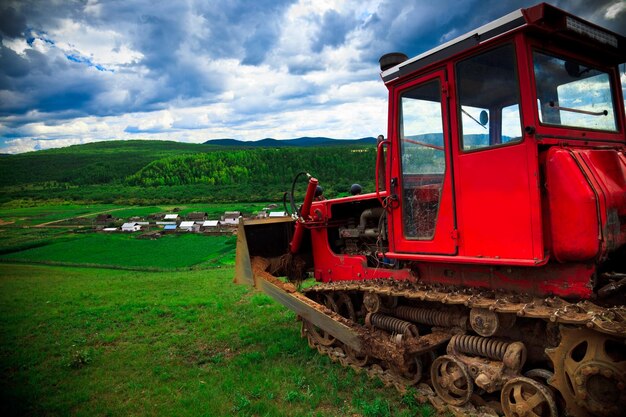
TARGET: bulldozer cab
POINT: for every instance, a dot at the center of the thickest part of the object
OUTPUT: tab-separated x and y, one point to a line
467	122
461	159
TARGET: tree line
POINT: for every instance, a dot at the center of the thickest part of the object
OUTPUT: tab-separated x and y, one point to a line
149	173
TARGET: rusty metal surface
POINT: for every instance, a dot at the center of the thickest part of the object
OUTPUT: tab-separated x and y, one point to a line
526	397
401	358
243	268
611	321
358	343
590	373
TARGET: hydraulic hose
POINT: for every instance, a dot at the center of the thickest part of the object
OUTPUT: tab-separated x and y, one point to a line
292	198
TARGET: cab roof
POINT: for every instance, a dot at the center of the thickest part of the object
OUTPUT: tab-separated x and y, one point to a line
541	17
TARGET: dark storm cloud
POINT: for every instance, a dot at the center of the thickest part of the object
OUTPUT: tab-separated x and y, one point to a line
12	24
246	30
260	40
415	27
175	39
333	30
305	67
13	66
35	81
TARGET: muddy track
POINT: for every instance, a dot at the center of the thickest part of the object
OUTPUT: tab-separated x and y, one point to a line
374	329
423	393
611	321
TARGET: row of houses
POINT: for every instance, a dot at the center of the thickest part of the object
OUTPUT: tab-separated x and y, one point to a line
187	226
229	217
171	223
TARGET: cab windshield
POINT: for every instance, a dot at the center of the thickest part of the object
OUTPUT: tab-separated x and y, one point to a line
572	94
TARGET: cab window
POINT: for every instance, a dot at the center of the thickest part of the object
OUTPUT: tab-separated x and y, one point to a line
488	99
573	94
423	159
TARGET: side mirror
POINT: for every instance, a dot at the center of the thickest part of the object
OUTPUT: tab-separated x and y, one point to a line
572	69
484	118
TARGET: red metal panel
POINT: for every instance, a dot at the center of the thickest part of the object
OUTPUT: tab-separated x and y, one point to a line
569	280
495	209
573	208
606	170
330	266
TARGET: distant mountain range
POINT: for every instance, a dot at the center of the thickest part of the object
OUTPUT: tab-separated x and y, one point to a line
303	141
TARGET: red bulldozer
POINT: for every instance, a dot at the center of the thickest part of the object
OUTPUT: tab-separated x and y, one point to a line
489	265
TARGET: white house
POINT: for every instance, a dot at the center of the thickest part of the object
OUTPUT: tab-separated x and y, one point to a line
187	225
231	218
131	227
278	214
170	217
211	223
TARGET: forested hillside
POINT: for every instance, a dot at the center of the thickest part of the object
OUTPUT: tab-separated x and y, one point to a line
250	166
93	163
139	172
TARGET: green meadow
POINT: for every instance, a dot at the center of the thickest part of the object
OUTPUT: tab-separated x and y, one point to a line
126	251
95	324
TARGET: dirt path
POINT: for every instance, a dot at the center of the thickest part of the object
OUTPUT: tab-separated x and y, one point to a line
47	224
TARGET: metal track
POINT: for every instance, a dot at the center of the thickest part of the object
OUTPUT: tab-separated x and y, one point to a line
389	368
611	321
423	392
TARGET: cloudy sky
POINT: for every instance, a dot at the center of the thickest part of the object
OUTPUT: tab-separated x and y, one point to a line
78	71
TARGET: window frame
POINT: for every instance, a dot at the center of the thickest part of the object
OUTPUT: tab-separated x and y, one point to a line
564	55
516	62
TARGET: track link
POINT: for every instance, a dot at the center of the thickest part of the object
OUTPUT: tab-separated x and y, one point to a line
611	321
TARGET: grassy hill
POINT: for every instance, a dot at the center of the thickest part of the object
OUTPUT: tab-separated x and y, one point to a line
150	172
98	342
92	163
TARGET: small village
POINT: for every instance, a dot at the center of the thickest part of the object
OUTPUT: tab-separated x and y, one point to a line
154	225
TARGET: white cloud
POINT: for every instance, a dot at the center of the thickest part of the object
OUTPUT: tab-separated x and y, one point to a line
104	47
615	9
18	45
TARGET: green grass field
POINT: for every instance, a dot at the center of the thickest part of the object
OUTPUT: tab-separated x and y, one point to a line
44	213
31	216
171	337
102	342
126	251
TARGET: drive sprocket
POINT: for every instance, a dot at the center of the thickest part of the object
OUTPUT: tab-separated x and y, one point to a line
589	372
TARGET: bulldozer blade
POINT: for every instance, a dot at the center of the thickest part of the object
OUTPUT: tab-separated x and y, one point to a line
285	293
268	238
310	311
259	241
